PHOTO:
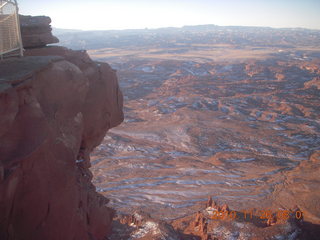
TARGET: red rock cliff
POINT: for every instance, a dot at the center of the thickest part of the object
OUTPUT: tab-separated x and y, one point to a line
56	105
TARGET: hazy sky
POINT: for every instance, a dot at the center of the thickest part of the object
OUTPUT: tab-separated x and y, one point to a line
124	14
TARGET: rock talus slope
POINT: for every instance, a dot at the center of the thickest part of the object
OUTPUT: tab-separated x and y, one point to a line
56	105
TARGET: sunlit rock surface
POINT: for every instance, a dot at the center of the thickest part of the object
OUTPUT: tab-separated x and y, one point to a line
231	121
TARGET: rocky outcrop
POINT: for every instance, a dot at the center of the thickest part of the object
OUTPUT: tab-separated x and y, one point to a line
36	31
141	226
218	222
55	107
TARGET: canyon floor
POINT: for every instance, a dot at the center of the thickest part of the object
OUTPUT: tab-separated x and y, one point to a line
240	124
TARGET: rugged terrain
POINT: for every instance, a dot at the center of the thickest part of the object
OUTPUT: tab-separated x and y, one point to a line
230	112
227	112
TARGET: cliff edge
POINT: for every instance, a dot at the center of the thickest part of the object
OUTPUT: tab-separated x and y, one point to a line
56	105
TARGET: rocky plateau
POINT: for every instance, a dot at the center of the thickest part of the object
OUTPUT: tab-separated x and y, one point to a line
219	135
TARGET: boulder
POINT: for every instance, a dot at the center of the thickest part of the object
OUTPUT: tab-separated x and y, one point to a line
36	31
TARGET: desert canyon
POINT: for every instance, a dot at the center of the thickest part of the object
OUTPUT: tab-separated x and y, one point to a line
216	135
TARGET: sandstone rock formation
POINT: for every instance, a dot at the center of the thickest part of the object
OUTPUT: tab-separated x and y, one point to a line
141	226
55	107
220	223
36	31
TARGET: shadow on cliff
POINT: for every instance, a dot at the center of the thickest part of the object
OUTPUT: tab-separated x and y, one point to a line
310	231
56	106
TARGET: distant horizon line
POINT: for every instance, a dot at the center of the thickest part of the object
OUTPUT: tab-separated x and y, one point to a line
184	26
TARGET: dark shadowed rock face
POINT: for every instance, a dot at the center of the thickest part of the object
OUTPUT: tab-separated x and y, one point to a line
54	110
36	31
